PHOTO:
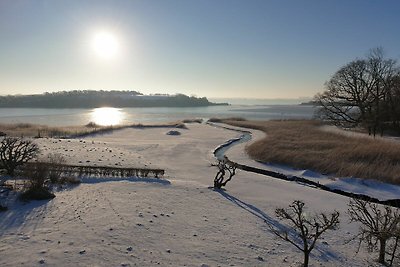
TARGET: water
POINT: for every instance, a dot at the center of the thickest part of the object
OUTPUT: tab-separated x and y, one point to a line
220	151
113	116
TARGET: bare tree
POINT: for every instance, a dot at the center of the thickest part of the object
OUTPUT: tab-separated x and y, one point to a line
15	152
346	96
358	93
305	229
382	71
225	167
379	224
392	109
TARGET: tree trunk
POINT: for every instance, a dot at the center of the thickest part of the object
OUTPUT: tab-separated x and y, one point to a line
306	258
382	251
394	250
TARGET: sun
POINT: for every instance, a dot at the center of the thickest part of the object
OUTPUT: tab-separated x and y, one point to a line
105	45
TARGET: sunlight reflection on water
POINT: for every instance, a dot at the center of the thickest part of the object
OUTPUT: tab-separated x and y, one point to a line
107	116
150	115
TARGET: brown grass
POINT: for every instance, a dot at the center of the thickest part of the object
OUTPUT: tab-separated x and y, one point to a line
36	130
213	119
303	144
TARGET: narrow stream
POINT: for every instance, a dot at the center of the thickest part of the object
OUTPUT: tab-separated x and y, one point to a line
220	151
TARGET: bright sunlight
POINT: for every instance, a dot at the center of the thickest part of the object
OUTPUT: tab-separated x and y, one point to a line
105	45
107	116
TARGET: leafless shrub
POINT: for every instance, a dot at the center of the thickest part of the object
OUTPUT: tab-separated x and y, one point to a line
3	208
305	229
37	174
55	162
15	152
379	227
224	167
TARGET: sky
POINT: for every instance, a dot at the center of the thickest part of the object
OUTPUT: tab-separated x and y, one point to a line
214	48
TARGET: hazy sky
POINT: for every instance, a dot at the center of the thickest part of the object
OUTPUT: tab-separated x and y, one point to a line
216	48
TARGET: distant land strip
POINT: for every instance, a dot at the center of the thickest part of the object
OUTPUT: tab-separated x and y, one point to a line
95	99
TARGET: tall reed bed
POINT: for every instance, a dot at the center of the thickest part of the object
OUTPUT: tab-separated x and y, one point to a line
38	131
305	144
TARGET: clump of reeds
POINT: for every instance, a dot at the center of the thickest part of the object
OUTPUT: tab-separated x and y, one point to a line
36	130
303	144
192	121
226	119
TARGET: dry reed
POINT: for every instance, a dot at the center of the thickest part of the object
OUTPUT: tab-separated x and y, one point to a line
304	145
38	131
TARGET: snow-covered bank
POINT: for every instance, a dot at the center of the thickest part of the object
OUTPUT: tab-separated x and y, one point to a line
367	187
179	223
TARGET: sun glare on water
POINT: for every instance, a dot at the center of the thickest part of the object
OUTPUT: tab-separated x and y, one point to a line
105	45
107	116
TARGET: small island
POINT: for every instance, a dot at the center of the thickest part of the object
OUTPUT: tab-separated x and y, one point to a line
94	99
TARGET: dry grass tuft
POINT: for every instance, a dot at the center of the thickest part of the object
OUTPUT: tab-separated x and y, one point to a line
303	144
193	121
35	130
38	131
226	119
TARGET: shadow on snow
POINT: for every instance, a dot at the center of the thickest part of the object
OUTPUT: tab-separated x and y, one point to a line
324	253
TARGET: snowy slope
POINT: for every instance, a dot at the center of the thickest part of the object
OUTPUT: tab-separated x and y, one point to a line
176	223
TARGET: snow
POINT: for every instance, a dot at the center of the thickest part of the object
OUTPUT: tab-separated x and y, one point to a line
174	221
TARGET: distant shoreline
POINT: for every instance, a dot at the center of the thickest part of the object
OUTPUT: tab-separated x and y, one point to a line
97	99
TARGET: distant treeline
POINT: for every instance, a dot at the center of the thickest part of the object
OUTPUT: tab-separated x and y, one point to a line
93	99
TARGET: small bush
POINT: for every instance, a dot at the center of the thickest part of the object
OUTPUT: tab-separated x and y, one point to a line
55	162
37	173
3	208
173	133
41	193
92	125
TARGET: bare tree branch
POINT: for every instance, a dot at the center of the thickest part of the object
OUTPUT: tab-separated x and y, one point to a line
378	225
306	228
15	152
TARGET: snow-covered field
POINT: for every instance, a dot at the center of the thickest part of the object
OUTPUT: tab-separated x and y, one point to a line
175	221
